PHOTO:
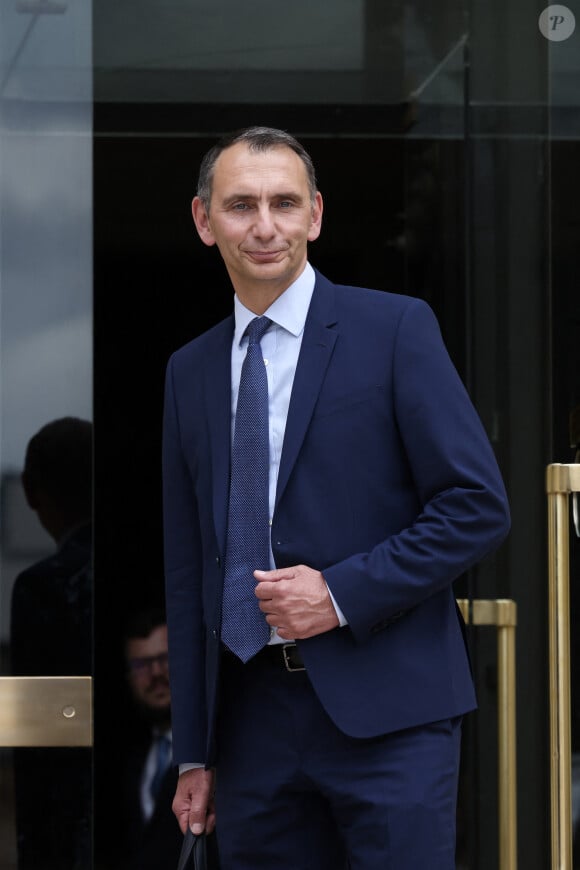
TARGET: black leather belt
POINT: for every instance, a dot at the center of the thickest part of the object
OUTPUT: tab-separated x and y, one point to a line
282	655
285	654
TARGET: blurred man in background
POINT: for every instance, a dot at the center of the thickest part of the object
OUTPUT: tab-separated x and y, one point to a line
51	635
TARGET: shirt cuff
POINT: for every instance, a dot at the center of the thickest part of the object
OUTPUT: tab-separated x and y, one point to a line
184	767
339	613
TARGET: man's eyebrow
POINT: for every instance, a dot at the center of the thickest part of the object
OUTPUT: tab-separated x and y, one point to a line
237	197
296	197
248	197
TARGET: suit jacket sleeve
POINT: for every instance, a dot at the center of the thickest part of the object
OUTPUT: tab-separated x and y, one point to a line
463	511
183	572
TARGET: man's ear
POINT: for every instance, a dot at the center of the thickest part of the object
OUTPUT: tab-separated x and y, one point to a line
201	221
316	223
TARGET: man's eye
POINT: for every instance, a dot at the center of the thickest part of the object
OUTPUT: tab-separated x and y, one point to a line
286	203
240	206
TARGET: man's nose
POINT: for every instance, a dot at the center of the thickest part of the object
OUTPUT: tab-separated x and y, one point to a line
264	223
158	665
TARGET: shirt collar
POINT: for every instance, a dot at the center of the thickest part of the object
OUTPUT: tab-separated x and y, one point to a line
289	310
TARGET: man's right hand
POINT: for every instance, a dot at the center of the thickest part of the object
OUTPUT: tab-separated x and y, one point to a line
193	804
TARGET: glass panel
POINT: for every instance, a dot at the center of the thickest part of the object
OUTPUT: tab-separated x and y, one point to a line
45	376
509	373
561	29
202	52
457	125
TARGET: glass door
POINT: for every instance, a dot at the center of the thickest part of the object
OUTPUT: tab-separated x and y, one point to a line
429	129
46	437
560	29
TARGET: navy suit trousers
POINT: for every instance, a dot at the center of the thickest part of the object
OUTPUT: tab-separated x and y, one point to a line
295	793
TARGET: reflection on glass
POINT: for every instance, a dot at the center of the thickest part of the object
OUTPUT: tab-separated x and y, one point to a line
45	374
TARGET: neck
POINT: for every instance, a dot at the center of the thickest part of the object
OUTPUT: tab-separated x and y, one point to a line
258	299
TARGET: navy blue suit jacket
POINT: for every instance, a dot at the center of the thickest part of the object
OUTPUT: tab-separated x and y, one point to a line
387	484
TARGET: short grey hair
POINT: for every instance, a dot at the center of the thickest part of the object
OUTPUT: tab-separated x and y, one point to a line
257	139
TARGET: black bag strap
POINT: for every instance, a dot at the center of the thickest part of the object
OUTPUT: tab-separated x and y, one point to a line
193	847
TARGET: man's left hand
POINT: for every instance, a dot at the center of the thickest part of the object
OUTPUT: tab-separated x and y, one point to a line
296	601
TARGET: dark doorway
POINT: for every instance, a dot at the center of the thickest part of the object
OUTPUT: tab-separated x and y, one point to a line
393	220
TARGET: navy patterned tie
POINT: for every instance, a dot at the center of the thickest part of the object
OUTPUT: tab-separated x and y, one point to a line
244	628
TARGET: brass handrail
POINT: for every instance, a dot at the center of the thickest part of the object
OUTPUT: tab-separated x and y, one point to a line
46	711
502	612
561	481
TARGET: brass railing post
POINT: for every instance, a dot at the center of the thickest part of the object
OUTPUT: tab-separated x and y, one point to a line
561	480
502	613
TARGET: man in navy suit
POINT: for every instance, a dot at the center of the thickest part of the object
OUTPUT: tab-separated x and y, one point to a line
339	741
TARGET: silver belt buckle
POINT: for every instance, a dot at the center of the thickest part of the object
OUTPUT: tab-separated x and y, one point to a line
286	647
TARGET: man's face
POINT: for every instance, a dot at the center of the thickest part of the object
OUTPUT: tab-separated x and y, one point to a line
261	218
148	670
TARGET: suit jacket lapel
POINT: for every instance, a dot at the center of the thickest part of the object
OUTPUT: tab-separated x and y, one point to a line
315	353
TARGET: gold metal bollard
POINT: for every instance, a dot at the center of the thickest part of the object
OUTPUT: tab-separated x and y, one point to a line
502	612
561	481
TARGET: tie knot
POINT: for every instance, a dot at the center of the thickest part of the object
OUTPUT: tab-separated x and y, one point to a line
256	329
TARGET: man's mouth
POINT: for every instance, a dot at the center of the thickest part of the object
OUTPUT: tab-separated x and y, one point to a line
264	256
